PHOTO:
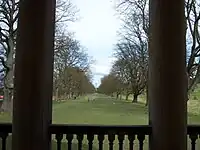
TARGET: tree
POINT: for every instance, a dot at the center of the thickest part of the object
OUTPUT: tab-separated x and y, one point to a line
86	86
192	9
192	17
73	82
109	85
134	9
65	11
8	29
71	67
123	77
135	15
132	49
132	64
69	52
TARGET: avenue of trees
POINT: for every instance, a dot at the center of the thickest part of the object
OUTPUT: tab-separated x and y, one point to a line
129	72
71	66
72	75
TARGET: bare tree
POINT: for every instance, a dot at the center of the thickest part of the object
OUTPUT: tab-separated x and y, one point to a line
110	85
134	63
69	52
70	61
192	15
72	82
192	9
132	50
130	9
65	12
121	73
8	29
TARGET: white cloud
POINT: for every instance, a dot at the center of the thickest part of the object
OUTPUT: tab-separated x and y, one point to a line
103	66
100	69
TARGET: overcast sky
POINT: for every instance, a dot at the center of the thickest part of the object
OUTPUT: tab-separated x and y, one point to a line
96	30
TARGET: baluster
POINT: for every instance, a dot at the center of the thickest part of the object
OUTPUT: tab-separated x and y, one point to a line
3	137
193	138
80	139
90	138
131	138
100	139
59	137
121	140
141	138
111	138
69	138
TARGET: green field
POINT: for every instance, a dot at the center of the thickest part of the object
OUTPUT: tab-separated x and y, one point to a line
108	111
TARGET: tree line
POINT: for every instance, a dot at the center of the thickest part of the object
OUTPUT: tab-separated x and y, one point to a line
71	65
72	75
129	72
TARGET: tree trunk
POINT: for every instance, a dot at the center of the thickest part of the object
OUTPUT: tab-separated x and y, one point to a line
8	80
135	98
7	102
71	95
117	95
56	94
127	96
147	100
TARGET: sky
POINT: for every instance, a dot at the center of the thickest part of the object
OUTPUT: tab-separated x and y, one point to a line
97	30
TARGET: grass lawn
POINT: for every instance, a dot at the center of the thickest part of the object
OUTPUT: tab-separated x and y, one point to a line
100	111
108	111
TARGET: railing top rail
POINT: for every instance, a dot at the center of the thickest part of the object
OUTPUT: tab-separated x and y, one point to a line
6	127
99	129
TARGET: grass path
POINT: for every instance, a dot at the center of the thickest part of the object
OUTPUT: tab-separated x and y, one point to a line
109	111
100	111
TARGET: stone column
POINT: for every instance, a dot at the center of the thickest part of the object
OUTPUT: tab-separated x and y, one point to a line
167	86
32	105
